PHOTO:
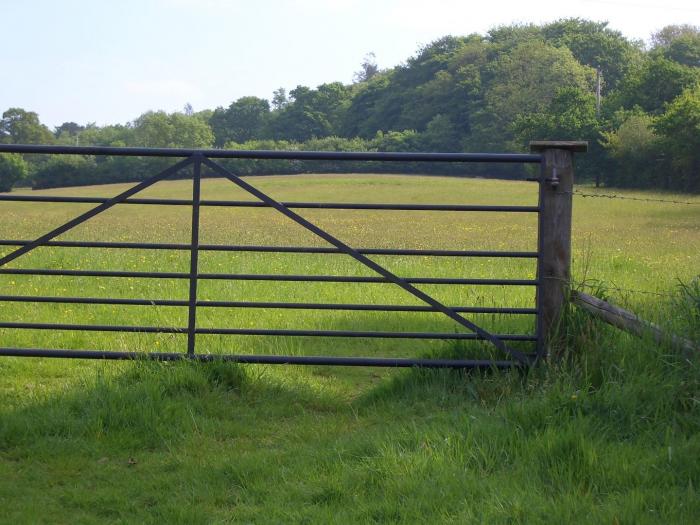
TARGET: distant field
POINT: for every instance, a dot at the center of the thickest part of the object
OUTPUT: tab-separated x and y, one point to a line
254	444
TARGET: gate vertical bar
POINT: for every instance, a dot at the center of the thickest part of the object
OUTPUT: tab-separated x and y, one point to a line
194	254
554	236
539	328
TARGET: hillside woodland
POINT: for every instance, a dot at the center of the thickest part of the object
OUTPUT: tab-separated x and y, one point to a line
637	104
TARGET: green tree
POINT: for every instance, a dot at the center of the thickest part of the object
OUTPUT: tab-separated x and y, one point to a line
594	44
665	36
368	68
279	98
312	112
685	50
218	122
657	82
442	78
634	149
190	132
152	129
679	129
12	169
440	135
68	130
23	127
525	81
367	111
174	130
680	43
571	115
245	119
406	140
113	135
66	170
262	166
426	101
507	37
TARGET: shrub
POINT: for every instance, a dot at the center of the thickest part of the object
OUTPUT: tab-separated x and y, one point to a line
12	168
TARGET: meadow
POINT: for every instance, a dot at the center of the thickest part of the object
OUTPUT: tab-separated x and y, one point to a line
608	434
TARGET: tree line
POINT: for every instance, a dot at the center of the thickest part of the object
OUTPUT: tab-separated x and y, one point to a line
573	79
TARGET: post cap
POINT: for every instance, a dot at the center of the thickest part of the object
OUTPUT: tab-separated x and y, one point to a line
578	146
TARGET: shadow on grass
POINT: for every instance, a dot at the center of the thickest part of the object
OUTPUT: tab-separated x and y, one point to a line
147	405
415	385
154	405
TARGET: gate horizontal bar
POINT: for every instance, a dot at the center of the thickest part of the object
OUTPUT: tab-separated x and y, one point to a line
367	334
298	205
275	249
95	328
265	154
268	277
262	359
253	304
91	300
94	273
262	331
366	279
365	307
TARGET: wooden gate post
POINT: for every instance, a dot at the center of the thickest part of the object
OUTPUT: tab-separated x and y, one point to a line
554	235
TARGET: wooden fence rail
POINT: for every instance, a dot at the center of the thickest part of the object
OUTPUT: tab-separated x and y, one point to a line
629	322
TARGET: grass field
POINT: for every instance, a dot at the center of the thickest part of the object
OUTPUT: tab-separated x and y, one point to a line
609	435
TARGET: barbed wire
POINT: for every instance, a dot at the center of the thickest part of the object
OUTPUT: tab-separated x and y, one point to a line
614	288
596	284
622	197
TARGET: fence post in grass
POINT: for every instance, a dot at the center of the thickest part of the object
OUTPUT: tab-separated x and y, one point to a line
554	235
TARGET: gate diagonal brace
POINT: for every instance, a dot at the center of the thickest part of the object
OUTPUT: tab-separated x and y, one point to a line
44	239
498	343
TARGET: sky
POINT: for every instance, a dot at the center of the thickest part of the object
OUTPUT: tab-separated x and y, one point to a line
109	61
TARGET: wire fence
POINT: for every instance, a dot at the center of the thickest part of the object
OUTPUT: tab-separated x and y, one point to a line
613	196
623	197
615	288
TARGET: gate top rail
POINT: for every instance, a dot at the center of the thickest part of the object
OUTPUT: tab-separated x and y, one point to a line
270	154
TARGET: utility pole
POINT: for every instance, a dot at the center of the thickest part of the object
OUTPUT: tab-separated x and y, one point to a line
597	114
597	92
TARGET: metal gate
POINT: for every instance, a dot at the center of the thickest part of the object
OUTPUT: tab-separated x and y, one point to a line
194	161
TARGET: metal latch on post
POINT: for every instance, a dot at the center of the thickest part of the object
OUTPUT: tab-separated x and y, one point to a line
553	180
